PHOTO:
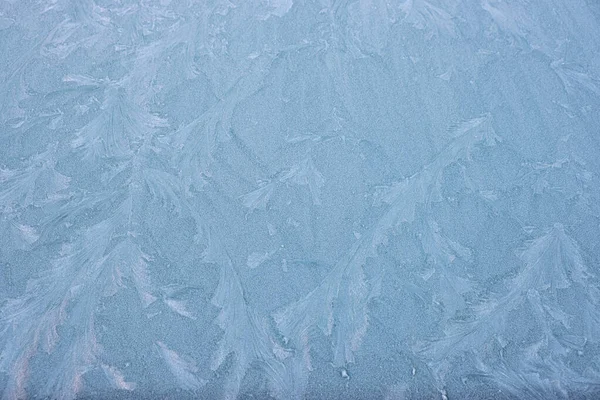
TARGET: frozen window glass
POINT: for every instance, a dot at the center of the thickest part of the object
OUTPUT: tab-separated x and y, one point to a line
299	199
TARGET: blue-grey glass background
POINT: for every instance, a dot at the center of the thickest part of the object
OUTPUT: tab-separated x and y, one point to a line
299	199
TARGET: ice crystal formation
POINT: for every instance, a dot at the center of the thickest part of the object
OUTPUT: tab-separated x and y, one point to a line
299	199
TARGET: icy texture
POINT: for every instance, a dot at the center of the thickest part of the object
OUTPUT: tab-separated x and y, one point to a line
353	199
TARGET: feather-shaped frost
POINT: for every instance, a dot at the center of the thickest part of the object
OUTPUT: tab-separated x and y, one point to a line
35	184
552	263
246	338
67	295
183	368
305	173
199	139
117	379
339	306
423	14
258	199
118	129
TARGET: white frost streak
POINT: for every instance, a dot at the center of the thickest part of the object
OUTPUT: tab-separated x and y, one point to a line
197	140
573	79
257	258
36	184
118	128
509	16
552	263
67	295
424	15
304	174
258	199
553	260
183	368
117	379
279	7
339	305
245	336
130	261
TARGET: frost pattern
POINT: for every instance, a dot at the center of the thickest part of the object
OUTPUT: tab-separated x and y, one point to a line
552	264
299	199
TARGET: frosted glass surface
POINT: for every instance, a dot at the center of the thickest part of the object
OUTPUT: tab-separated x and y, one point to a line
299	199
